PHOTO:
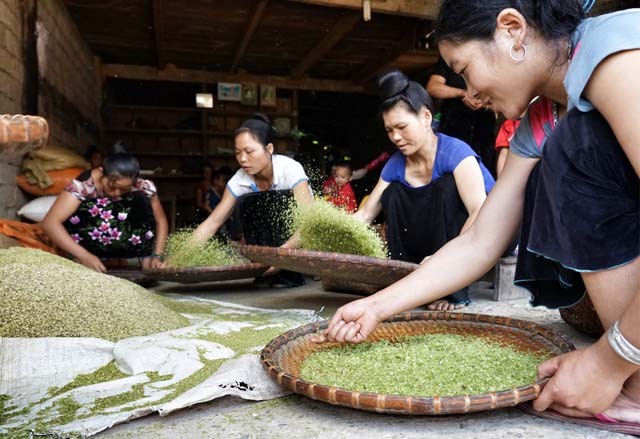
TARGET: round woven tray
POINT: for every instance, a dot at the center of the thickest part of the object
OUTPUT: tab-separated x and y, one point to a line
375	272
133	274
345	286
284	355
206	274
583	317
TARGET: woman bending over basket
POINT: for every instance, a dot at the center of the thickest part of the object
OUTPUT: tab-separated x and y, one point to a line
577	197
109	212
263	189
432	188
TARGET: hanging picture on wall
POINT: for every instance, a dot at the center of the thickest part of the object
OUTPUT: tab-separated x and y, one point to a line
228	91
249	94
267	95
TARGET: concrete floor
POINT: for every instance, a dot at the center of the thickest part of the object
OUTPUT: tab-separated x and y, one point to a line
300	417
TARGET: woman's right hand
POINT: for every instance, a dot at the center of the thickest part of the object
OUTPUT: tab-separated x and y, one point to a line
352	323
92	261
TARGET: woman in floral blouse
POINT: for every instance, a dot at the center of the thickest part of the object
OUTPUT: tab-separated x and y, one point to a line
108	212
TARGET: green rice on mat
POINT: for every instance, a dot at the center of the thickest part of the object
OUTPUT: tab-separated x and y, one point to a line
423	365
181	252
43	295
324	227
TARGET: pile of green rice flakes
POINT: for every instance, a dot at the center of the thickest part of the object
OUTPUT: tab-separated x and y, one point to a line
43	295
182	252
324	227
424	365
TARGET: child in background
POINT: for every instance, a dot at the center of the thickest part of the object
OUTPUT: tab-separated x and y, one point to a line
337	188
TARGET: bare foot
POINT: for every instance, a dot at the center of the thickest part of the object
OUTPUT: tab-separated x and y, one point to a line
444	305
625	409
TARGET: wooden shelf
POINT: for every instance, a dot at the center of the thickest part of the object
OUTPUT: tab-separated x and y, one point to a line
160	132
180	154
166	154
212	111
172	176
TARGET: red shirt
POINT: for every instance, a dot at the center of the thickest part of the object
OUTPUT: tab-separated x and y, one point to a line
506	133
342	197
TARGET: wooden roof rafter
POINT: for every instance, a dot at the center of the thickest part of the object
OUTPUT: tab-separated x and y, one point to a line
426	9
158	31
342	27
374	67
252	24
173	74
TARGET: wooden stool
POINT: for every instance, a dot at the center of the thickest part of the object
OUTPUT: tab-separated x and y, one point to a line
503	274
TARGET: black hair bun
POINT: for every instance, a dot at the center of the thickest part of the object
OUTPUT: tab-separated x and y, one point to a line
391	84
262	118
119	148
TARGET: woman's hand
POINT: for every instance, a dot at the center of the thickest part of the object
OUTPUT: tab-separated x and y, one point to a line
472	102
92	261
271	271
583	382
152	263
352	323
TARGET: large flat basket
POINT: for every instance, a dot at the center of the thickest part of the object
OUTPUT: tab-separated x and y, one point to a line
375	272
206	274
132	274
284	355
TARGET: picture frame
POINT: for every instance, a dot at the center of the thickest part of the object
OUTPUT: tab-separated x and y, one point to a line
229	91
249	94
267	95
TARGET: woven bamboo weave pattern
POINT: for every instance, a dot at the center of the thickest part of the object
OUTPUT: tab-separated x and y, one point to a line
206	274
18	129
284	355
583	317
337	266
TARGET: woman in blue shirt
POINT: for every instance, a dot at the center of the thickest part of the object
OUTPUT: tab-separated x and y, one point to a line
432	188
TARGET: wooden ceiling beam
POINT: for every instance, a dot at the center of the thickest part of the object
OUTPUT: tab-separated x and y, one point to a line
158	30
426	9
333	37
380	61
424	59
169	73
252	24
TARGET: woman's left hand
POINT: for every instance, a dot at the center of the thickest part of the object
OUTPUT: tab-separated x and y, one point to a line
272	271
153	263
583	382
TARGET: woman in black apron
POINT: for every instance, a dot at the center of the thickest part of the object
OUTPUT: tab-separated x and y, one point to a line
263	189
432	188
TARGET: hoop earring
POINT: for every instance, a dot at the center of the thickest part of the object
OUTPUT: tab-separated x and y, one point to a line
513	57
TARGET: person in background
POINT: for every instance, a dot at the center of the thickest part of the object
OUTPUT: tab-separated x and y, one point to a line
262	189
204	187
431	189
503	139
94	156
463	116
577	196
337	188
218	184
109	212
380	160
